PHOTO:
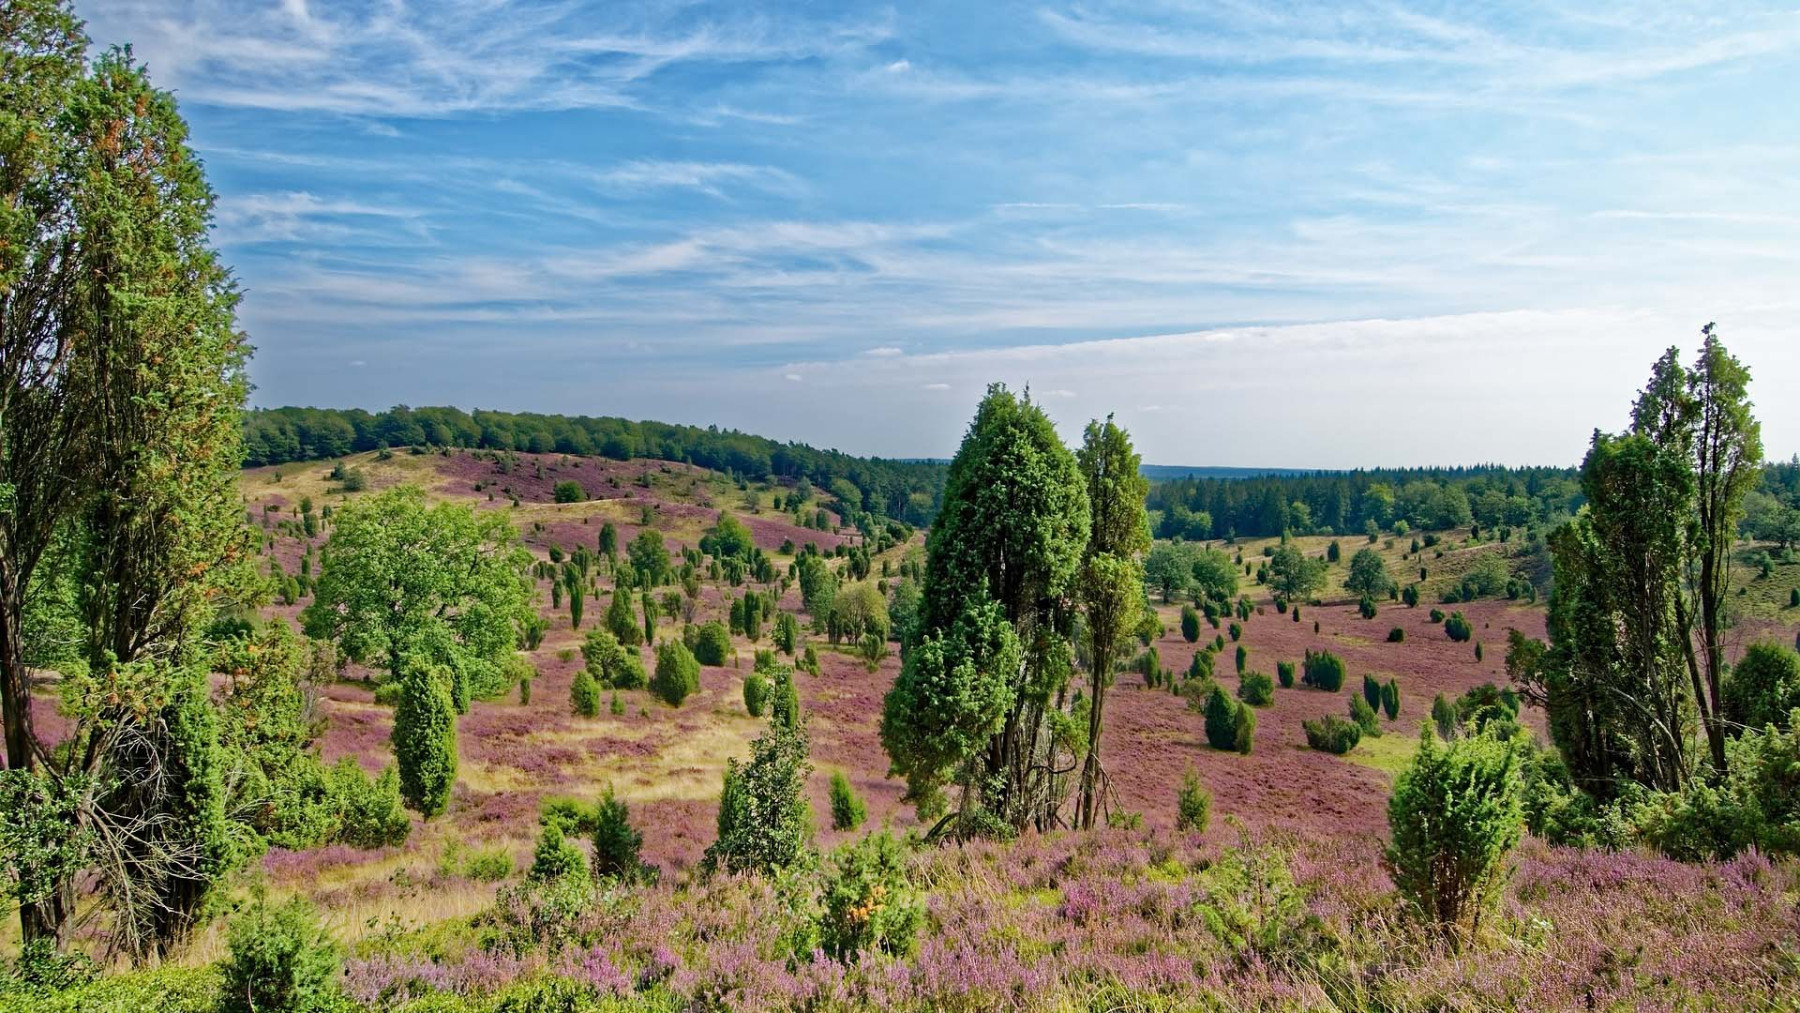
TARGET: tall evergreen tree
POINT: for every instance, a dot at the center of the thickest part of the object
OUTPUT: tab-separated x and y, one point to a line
424	736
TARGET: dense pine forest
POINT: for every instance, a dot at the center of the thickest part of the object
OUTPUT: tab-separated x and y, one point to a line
313	711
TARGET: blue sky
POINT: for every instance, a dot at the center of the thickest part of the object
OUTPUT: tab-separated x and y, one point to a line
1283	234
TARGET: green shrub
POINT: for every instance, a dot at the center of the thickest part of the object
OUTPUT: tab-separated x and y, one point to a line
1444	717
1437	615
1456	812
554	856
370	813
612	664
1323	670
763	818
1201	665
616	841
756	694
868	902
42	968
1193	806
1757	805
712	643
847	808
525	691
1256	689
1243	656
1230	725
1372	690
1284	671
424	738
1236	630
1457	628
1364	717
489	865
1396	636
1390	699
1410	595
387	693
1190	624
1763	687
280	961
1366	607
677	673
1478	650
568	492
584	695
1332	734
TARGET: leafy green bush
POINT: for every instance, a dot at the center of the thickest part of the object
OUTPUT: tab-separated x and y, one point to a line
1756	806
1364	717
424	737
1390	699
1457	628
1323	670
763	819
1371	690
1456	812
584	694
712	643
756	694
1256	689
1396	636
677	673
1201	665
280	961
616	841
568	492
869	904
1284	671
1243	656
1193	806
1410	595
554	856
1230	725
1444	717
1332	734
611	663
1437	615
1365	606
847	808
1236	630
489	865
1763	687
370	813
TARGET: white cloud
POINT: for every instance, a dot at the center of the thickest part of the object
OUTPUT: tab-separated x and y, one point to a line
934	386
883	352
792	377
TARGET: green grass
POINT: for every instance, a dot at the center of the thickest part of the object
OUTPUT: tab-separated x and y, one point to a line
1389	754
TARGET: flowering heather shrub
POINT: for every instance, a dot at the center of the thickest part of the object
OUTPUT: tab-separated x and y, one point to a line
868	902
1332	734
1323	670
847	808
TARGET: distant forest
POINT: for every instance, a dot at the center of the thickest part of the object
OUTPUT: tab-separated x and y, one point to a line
903	490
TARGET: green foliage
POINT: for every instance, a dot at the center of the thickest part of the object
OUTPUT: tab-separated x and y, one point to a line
280	961
369	813
1332	734
1365	718
677	673
1293	576
1756	805
1410	595
616	841
1242	657
1169	568
1458	628
1390	699
1763	687
584	695
568	492
1444	717
847	808
1323	670
1368	574
621	620
1193	805
1230	725
756	694
1396	636
611	664
763	820
1365	607
1236	631
868	902
555	857
1371	690
1190	624
712	643
784	698
649	558
424	737
1456	812
1256	689
1284	671
953	691
443	581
